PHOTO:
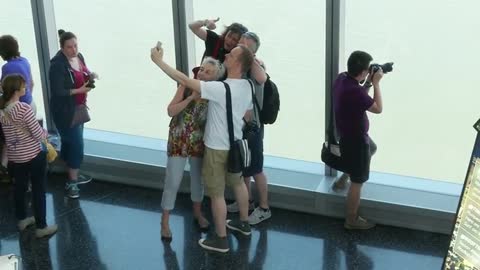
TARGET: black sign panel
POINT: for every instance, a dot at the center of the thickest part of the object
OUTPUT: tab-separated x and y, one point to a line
464	249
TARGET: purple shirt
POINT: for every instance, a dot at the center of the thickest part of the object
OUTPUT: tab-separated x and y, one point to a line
20	65
351	102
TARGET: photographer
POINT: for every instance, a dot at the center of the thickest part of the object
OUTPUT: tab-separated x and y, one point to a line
351	102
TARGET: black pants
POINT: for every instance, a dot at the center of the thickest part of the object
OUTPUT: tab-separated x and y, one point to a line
35	171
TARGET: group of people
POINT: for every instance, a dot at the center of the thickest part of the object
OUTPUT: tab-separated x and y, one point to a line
198	129
23	137
201	102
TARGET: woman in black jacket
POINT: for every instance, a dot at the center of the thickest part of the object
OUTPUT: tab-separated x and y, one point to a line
70	82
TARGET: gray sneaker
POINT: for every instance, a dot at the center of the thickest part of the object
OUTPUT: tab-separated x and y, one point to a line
341	184
259	215
24	223
240	226
73	191
233	207
83	179
215	243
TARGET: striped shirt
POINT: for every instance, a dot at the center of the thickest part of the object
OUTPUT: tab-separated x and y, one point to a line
22	132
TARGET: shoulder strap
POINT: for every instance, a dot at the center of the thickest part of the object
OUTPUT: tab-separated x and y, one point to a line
229	113
256	105
80	56
332	138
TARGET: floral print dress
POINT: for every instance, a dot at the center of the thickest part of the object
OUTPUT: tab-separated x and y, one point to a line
185	138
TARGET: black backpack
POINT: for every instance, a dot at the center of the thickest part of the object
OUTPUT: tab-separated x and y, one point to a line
271	102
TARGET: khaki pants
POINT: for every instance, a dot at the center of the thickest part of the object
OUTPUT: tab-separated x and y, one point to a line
215	175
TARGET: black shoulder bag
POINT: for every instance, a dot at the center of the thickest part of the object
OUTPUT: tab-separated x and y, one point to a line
239	154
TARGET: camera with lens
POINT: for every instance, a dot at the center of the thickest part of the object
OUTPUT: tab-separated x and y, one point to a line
387	67
89	78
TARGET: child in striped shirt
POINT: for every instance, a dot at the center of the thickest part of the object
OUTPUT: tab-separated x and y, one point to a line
27	160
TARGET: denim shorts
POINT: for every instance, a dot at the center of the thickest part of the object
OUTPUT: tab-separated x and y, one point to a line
256	148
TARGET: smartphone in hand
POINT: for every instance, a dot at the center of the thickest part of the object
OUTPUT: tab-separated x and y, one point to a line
159	45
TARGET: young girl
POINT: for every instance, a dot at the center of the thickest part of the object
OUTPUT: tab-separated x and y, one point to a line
23	137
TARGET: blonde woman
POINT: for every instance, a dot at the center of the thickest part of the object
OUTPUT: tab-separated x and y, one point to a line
185	141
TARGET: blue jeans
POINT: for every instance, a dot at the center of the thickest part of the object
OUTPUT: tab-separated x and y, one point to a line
72	146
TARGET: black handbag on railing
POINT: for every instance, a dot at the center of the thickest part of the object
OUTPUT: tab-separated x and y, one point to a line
331	154
239	154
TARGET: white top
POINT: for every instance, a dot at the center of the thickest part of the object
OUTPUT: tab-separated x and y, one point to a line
216	130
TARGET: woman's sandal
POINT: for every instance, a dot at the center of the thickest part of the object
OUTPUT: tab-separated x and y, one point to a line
203	223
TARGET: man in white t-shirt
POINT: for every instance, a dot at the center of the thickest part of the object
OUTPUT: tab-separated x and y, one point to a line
217	144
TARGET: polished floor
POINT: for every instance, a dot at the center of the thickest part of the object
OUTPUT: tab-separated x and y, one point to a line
117	227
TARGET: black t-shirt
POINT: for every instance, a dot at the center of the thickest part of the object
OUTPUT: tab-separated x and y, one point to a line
211	44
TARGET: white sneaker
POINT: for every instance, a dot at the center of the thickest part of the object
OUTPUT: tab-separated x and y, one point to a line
259	215
233	207
24	223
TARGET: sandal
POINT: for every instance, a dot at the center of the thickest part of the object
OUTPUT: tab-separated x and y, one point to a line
202	223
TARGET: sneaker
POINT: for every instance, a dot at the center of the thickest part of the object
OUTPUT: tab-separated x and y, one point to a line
47	231
259	215
73	191
219	244
24	223
239	226
341	183
83	179
233	207
359	224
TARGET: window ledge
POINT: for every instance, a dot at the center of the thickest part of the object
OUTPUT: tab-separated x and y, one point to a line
297	185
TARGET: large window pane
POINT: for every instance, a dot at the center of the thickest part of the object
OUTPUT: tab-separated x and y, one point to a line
115	37
431	97
19	23
293	49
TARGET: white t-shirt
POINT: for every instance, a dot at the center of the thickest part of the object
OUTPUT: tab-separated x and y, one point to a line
216	130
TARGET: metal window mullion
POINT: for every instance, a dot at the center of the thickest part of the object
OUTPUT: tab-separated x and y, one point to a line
180	35
335	28
47	45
